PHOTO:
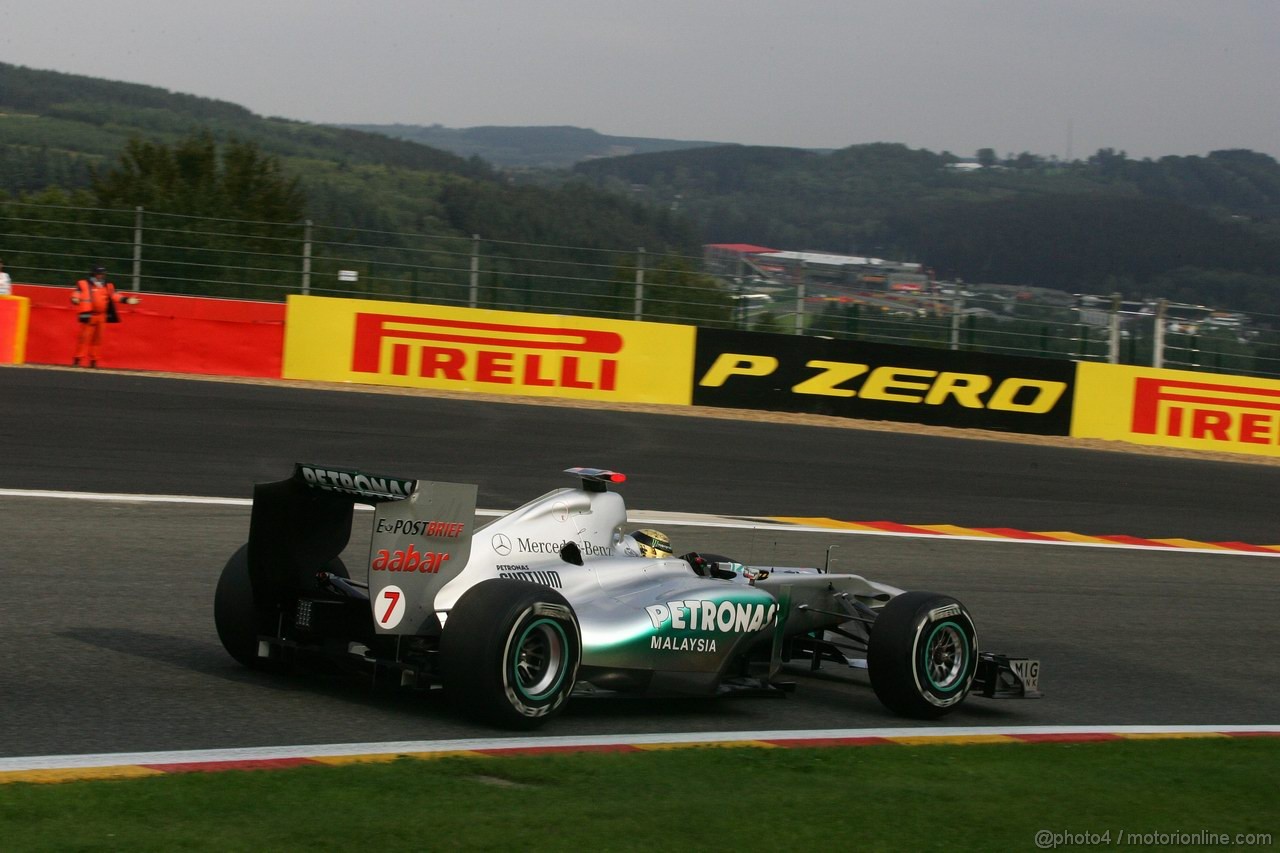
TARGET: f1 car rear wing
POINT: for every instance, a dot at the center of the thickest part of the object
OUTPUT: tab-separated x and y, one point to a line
363	488
421	538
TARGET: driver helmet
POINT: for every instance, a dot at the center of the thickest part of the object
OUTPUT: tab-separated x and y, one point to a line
652	543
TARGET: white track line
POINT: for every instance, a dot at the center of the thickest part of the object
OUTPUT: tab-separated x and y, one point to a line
202	756
125	498
677	519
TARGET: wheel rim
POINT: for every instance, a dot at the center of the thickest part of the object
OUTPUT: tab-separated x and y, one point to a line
540	659
946	657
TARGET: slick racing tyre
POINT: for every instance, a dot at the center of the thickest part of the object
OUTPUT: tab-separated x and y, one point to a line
922	654
234	613
509	653
240	619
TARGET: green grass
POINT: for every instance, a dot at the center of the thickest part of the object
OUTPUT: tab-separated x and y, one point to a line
953	798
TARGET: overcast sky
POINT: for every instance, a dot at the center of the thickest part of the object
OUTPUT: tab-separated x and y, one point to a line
1053	77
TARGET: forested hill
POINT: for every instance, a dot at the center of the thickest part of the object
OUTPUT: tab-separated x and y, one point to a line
87	115
1195	228
556	147
1198	229
56	128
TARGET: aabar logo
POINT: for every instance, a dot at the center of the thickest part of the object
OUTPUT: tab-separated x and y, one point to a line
1205	410
409	560
495	353
898	384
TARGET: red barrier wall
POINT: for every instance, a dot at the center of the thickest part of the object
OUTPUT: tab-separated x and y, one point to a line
177	334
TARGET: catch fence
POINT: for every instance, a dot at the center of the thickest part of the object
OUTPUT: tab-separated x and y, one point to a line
177	254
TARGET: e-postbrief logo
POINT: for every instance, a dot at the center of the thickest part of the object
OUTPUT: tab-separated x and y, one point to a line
1212	411
527	356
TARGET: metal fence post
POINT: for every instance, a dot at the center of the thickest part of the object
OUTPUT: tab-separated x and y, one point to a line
638	312
957	308
1078	347
800	300
740	310
473	297
306	257
137	248
1113	343
1157	345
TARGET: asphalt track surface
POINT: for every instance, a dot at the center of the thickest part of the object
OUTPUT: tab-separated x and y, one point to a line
105	617
85	430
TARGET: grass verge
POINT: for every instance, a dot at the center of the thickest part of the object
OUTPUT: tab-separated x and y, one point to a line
953	798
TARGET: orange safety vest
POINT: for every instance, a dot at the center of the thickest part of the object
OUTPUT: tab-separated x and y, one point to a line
95	298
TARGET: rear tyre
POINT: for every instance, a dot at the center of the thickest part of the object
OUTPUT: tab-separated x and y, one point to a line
510	652
234	612
240	618
922	654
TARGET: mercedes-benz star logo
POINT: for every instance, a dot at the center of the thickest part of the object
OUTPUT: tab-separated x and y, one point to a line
501	544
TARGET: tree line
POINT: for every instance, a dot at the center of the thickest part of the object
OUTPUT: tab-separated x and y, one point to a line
1191	228
230	219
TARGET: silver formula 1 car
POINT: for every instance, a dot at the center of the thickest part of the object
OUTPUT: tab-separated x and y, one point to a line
545	602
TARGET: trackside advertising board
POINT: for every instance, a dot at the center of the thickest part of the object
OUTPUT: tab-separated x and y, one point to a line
499	352
15	312
1178	408
882	382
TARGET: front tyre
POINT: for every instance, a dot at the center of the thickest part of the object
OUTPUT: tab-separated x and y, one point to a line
922	654
509	653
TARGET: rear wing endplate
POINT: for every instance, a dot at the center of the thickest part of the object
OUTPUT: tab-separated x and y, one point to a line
299	525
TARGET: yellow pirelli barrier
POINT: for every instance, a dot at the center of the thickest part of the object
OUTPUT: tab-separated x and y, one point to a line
503	352
1177	408
15	312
